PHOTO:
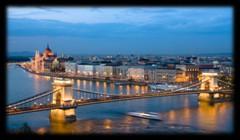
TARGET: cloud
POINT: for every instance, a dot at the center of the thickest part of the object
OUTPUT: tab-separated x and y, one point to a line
170	17
112	29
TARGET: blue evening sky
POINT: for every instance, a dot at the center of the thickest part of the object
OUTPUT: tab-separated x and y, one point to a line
121	30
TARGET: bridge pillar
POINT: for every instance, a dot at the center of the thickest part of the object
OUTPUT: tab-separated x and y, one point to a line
211	84
64	101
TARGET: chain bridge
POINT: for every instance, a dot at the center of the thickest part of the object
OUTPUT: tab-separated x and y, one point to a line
62	101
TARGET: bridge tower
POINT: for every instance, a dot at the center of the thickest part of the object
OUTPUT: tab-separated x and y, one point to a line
209	82
64	101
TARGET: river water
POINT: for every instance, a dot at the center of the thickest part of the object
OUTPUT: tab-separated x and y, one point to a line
181	114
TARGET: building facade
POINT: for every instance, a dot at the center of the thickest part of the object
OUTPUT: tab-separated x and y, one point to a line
187	73
181	76
42	62
120	72
136	73
85	70
165	75
71	67
150	75
99	70
108	71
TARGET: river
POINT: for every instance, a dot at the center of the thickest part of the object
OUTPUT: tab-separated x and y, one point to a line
180	114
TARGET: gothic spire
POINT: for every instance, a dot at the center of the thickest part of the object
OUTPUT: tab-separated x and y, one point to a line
37	53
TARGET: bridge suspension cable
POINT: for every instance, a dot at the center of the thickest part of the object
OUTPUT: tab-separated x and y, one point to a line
189	86
92	92
30	99
224	82
28	108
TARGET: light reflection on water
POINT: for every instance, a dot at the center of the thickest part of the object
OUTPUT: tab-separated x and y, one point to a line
208	117
180	114
108	88
203	119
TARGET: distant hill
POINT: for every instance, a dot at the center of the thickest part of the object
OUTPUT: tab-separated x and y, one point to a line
23	53
31	54
19	56
216	54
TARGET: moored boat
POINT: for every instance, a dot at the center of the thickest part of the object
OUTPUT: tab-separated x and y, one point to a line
163	86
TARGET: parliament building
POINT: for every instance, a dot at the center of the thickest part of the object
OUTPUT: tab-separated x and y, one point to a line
46	61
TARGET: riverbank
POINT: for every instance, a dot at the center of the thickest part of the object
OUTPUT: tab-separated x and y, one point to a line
76	77
109	80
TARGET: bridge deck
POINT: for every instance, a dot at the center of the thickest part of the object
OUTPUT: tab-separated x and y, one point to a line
112	99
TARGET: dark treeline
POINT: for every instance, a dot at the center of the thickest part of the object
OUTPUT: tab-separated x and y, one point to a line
24	128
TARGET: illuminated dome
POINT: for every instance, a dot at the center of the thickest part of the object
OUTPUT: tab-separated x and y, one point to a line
48	51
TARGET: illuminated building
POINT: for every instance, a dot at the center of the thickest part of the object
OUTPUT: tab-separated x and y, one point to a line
99	70
71	67
187	73
150	75
85	70
108	71
120	72
160	75
181	76
136	73
103	71
42	62
165	75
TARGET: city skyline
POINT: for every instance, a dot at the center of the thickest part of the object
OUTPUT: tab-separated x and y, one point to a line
120	70
121	30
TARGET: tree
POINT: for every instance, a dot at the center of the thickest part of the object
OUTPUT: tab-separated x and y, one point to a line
25	129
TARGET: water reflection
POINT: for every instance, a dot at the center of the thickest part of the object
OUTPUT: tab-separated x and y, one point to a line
108	88
212	112
186	113
177	112
144	122
104	87
205	116
127	121
186	102
97	84
107	123
171	115
42	131
128	89
60	128
88	127
21	84
78	83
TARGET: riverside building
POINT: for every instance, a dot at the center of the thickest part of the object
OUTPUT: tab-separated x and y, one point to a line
42	62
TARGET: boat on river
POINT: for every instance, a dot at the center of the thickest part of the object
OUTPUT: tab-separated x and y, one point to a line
163	86
150	115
